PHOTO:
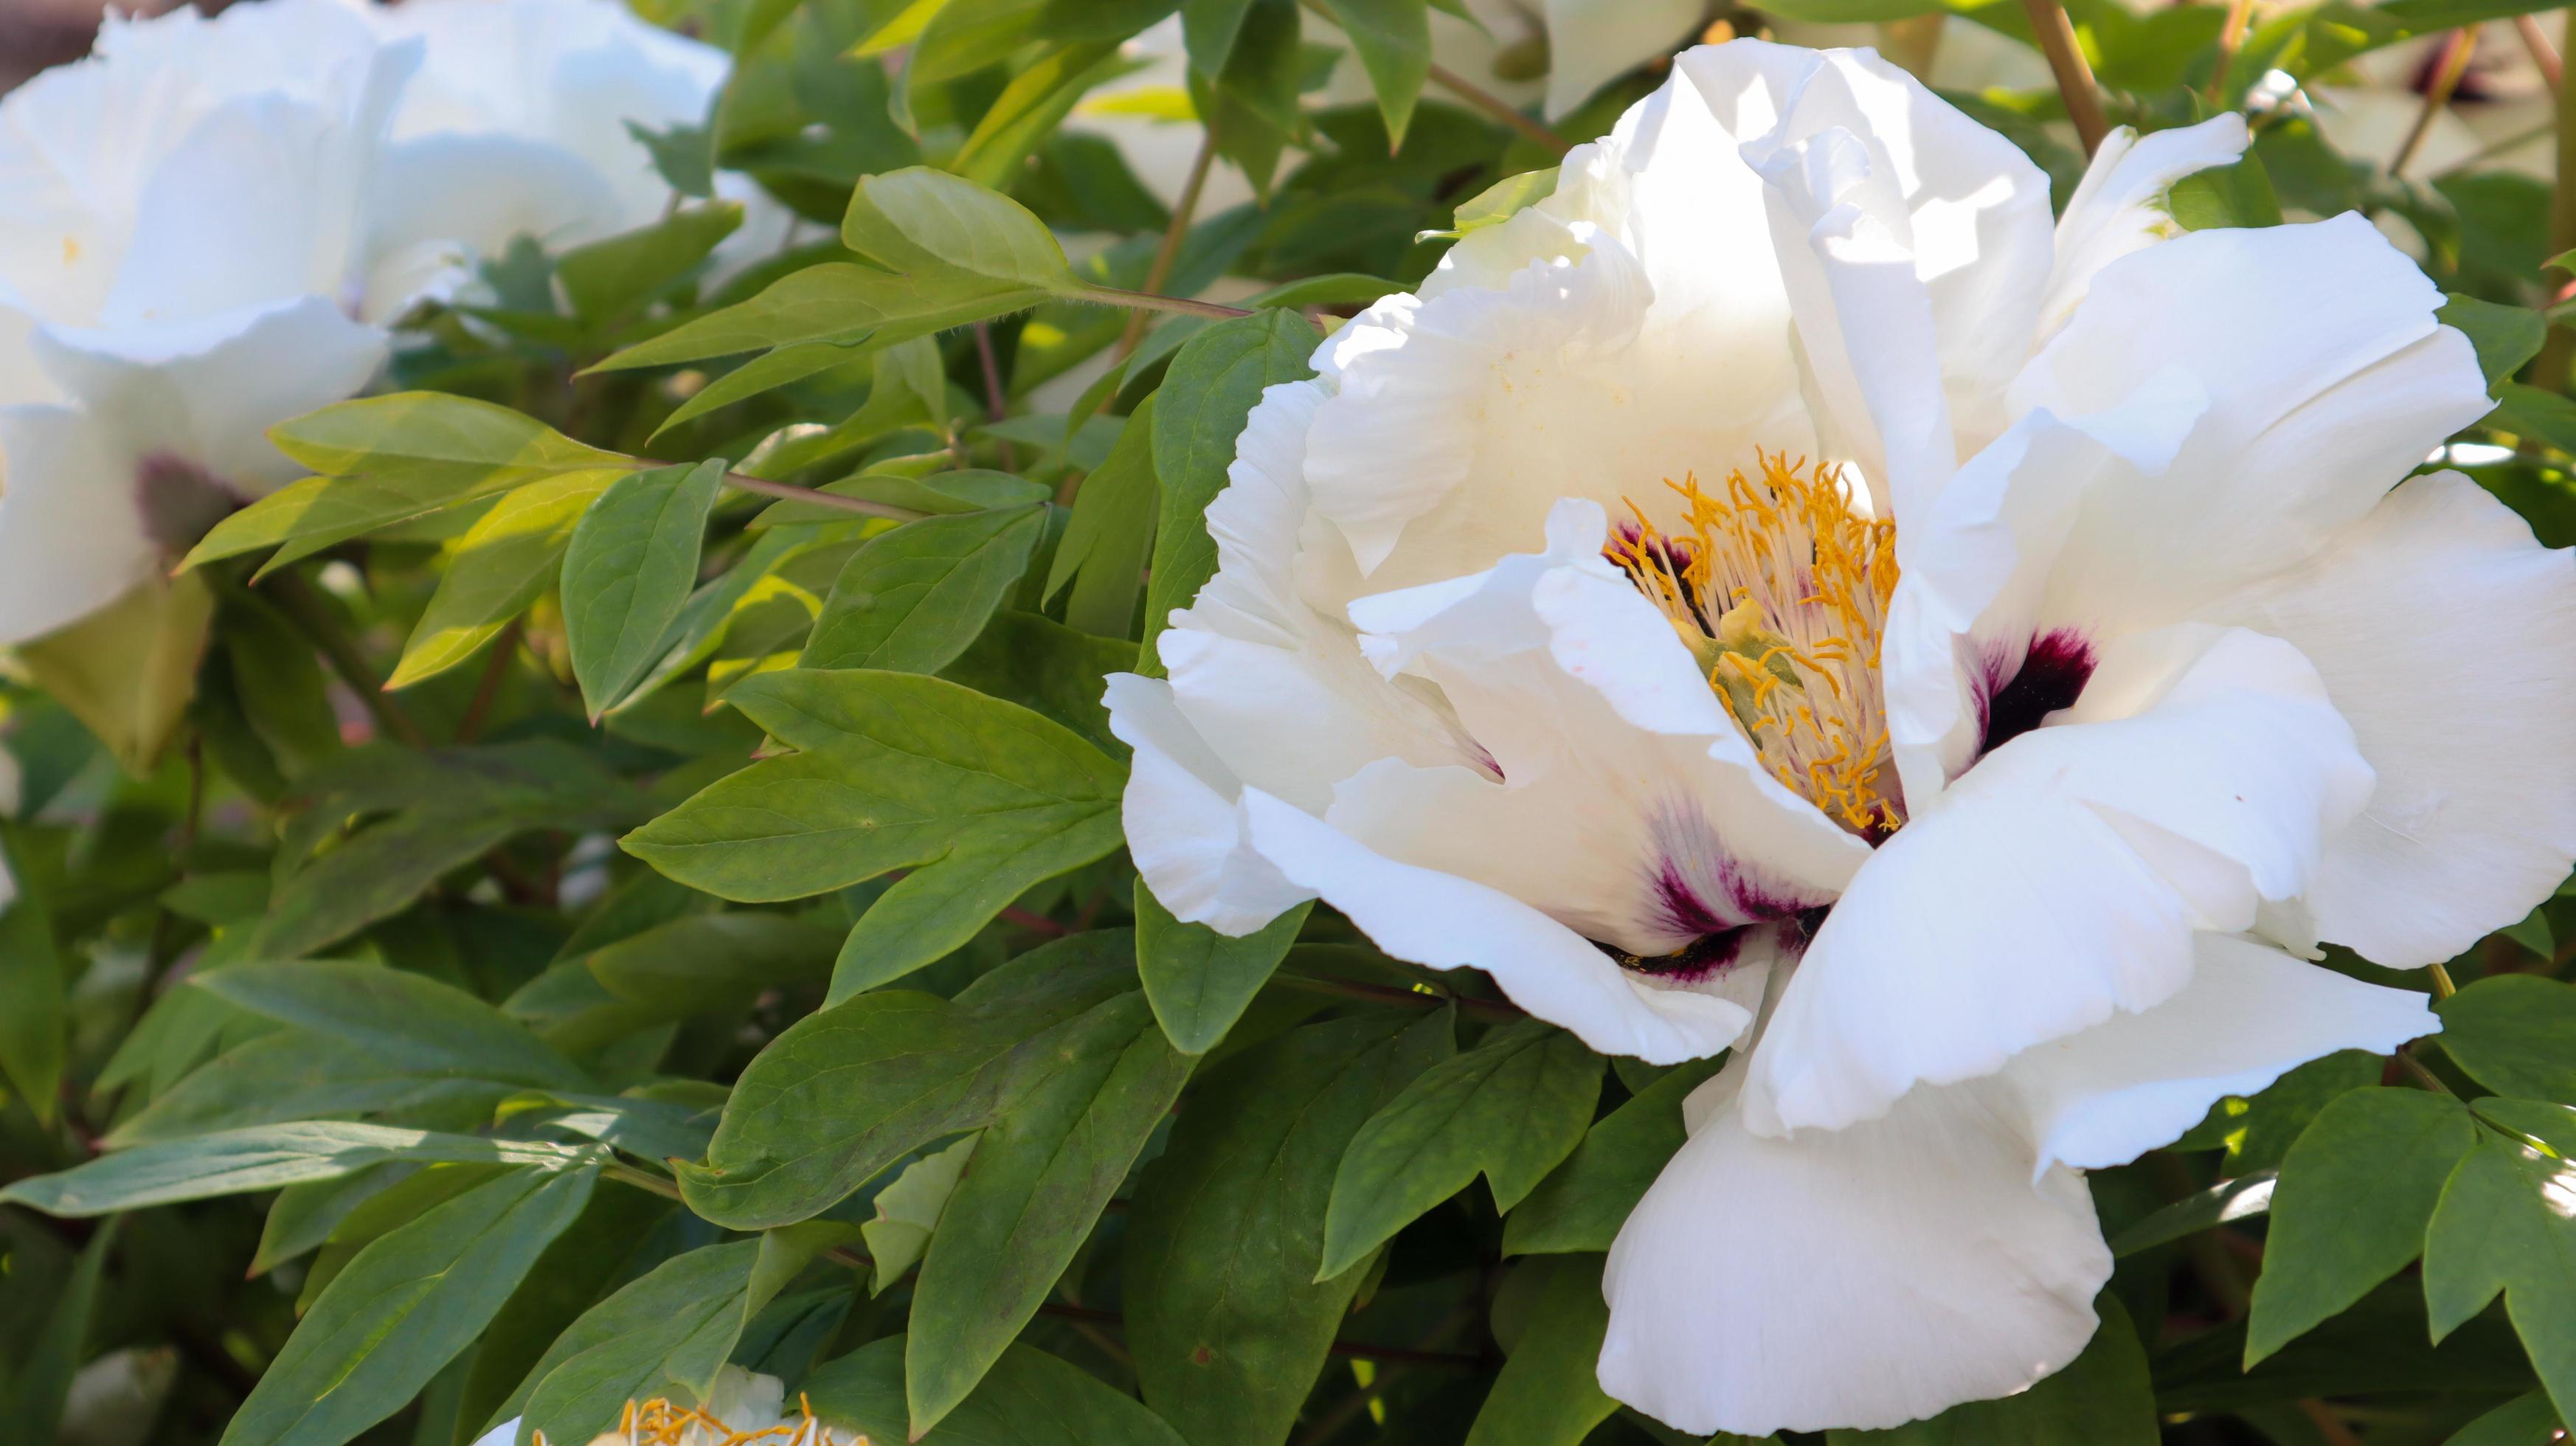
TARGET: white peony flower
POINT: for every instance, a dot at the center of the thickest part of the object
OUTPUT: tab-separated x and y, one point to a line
517	126
1784	576
186	258
745	1407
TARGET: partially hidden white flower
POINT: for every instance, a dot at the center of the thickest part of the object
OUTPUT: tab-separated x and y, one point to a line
1785	583
745	1406
517	125
186	258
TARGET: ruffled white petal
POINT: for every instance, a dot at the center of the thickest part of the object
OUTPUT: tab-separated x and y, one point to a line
1184	817
1445	922
2250	1014
2065	876
2441	629
1853	1278
2119	206
2328	380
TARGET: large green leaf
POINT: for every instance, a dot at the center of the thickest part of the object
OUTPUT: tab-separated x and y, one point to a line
1047	668
2354	1197
1041	1175
912	599
663	1335
1029	1399
1106	546
1200	980
2100	1399
387	459
846	1092
1025	115
1510	1109
601	1249
919	219
980	799
1215	380
1393	38
1224	1314
496	571
629	570
2527	1420
36	1388
607	278
269	1157
408	1021
1581	1205
2505	1224
858	308
404	1307
1547	1394
2515	1034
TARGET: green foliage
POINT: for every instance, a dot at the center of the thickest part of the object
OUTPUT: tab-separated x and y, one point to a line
628	572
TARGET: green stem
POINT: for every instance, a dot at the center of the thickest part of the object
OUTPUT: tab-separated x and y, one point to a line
2552	368
1169	251
1147	301
314	615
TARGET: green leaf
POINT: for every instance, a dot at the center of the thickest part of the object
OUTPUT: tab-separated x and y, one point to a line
608	278
2239	194
1029	1399
1041	1175
128	670
846	1092
1546	1394
2504	337
2240	1197
34	1012
710	961
388	459
1583	1203
496	571
2515	1034
920	219
909	1209
1105	548
1214	382
404	1307
626	1348
1225	1317
981	799
2504	1225
596	1253
240	1162
628	572
1047	668
1503	200
2523	1421
1393	38
1200	980
406	1021
1511	1109
1209	29
2538	415
914	598
2100	1399
2356	1192
857	308
1030	108
43	1381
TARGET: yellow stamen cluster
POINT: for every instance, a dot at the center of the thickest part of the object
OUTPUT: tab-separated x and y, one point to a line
658	1422
1780	588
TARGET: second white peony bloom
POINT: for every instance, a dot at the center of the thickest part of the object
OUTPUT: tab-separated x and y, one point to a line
1786	590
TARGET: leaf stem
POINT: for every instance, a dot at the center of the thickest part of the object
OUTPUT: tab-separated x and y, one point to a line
996	401
2452	63
2443	988
2424	1076
308	610
2231	38
1495	106
626	1174
2074	77
1147	301
2543	54
2555	354
1169	251
790	492
488	687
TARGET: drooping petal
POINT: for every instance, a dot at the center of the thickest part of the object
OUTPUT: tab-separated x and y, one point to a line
1849	1278
71	536
2065	876
2328	379
2441	630
2250	1014
1184	817
2119	206
1446	922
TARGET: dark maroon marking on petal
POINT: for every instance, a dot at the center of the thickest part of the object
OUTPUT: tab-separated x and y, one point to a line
1694	961
179	501
1681	909
2052	676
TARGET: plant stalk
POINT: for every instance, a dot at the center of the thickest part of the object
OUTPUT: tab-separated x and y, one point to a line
2074	77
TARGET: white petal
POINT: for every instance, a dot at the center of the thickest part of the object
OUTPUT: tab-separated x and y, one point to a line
2064	877
2119	206
2328	380
2441	630
208	391
481	192
1851	1278
1593	42
1184	817
2250	1014
505	1434
1446	922
71	537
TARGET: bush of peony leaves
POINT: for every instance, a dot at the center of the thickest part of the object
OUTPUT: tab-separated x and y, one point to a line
1138	723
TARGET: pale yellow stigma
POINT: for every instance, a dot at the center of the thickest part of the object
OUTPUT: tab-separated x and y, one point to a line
660	1423
1780	589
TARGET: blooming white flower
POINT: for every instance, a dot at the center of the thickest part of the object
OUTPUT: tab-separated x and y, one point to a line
517	126
1784	581
185	260
745	1406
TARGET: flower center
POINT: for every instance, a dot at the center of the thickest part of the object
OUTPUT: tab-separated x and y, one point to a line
1780	589
660	1423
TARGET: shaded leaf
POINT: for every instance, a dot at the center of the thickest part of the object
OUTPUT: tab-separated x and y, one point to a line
914	598
240	1162
629	570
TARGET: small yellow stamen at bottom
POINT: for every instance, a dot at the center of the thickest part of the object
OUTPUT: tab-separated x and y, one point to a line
659	1422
